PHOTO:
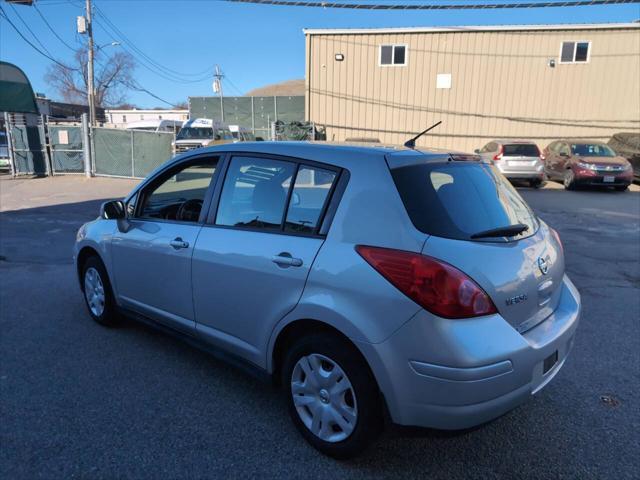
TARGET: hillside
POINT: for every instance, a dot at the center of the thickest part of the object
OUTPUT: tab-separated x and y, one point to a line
288	88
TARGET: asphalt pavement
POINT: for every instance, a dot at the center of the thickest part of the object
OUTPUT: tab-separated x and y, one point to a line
81	401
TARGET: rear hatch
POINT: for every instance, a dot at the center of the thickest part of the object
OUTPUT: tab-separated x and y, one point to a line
466	207
520	156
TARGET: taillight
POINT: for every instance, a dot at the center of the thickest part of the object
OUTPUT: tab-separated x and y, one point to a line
434	285
498	156
557	237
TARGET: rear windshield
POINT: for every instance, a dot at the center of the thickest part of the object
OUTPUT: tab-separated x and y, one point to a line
459	199
521	150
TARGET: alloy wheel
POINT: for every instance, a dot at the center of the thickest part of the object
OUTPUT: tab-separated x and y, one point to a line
568	179
94	291
324	398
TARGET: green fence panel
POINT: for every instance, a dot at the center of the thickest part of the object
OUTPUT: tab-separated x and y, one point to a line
67	154
29	156
112	152
204	107
150	150
290	109
238	111
264	112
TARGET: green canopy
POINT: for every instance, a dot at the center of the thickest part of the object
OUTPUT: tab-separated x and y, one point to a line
16	94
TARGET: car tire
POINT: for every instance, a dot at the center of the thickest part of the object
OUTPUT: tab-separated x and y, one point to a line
622	188
332	395
97	292
569	180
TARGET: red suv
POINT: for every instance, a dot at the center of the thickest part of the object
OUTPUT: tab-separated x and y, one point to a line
588	163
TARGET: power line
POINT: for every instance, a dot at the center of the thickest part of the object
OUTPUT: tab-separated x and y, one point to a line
130	48
52	29
485	6
183	76
136	86
3	14
29	28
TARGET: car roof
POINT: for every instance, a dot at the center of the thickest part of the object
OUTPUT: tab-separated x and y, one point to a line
328	149
343	155
509	141
339	154
582	141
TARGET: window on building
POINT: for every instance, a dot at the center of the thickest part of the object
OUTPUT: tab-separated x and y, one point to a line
124	119
575	52
393	54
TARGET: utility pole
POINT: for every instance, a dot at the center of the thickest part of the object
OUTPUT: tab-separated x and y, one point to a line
217	87
90	80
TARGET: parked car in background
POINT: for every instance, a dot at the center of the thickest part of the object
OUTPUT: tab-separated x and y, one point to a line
516	160
446	308
627	145
241	134
586	163
156	125
201	132
4	151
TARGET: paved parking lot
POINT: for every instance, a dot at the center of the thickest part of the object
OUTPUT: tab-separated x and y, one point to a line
79	400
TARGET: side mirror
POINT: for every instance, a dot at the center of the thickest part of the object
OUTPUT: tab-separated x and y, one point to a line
477	150
112	210
295	198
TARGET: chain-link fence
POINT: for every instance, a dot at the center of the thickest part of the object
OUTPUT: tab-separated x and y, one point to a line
66	144
129	153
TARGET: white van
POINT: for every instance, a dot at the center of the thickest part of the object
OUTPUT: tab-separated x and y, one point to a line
201	132
156	125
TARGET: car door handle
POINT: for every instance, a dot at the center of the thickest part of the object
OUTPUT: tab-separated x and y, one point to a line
285	259
178	243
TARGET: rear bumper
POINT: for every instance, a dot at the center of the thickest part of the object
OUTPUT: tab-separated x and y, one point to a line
533	172
455	374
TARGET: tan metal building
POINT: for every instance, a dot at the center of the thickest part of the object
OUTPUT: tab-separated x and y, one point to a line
535	82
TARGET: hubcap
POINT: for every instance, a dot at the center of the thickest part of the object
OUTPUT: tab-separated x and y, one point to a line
94	291
324	398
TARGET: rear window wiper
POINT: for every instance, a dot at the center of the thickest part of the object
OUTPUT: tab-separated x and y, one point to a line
508	231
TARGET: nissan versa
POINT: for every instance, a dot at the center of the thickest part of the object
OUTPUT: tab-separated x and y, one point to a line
368	282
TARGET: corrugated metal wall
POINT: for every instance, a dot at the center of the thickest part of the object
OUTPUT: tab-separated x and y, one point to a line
502	86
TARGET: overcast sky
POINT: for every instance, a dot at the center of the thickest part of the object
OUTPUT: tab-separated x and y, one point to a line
255	45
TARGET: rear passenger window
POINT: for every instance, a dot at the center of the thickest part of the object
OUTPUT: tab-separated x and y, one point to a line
310	194
254	194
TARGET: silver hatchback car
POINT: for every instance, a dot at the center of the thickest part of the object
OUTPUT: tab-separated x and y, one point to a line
368	282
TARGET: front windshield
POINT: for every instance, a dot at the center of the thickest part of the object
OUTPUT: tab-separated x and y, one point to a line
195	133
591	150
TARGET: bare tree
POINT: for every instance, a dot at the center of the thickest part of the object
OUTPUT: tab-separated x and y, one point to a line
113	78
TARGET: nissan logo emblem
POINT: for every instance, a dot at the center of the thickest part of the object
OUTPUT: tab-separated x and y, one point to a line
543	265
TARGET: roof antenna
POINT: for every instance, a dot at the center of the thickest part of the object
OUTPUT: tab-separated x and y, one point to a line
412	143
